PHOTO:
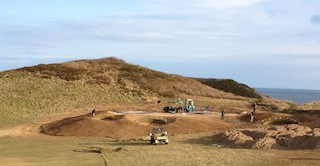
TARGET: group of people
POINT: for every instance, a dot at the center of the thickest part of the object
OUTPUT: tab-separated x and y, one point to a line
252	116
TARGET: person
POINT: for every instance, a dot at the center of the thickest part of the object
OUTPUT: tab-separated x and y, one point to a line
254	106
93	113
251	117
222	113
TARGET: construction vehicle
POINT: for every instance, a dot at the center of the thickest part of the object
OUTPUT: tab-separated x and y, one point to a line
179	105
189	105
170	107
159	135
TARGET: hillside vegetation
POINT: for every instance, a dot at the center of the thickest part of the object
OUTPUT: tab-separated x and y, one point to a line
49	89
132	80
229	85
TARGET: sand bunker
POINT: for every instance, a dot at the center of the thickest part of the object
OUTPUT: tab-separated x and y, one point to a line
290	136
147	119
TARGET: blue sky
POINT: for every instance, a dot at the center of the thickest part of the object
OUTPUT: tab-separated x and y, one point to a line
261	43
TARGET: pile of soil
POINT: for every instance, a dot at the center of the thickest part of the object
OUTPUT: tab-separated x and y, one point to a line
132	126
291	136
282	119
258	117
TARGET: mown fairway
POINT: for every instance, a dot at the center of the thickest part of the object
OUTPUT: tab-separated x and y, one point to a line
193	149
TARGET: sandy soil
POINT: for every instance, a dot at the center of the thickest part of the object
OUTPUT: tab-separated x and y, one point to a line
271	130
131	125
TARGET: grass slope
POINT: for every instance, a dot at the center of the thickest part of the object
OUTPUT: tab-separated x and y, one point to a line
229	85
64	87
126	78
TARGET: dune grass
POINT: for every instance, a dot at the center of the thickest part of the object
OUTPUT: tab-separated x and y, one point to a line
24	95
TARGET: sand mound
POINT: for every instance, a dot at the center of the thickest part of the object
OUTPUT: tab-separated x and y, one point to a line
290	136
128	126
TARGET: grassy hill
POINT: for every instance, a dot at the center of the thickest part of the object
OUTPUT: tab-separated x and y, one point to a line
229	85
63	87
130	80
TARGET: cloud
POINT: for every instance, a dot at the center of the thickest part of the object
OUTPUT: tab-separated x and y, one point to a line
315	19
126	36
181	21
225	4
219	4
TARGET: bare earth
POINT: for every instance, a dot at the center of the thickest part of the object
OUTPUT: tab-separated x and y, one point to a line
118	134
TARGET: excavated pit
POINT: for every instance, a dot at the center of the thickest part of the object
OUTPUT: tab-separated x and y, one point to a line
281	122
113	117
146	120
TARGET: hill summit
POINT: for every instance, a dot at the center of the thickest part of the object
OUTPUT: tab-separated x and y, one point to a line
126	78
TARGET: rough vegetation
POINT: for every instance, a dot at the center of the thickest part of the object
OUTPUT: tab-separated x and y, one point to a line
311	108
128	78
229	85
48	89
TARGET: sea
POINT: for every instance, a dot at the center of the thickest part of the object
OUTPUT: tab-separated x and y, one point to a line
298	96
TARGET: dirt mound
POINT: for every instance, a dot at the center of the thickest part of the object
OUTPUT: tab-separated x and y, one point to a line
290	136
310	121
281	119
258	117
89	126
128	126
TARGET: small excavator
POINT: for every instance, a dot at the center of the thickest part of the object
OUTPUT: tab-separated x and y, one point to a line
189	105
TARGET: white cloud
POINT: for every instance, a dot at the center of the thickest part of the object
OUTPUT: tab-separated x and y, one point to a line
126	36
219	4
225	4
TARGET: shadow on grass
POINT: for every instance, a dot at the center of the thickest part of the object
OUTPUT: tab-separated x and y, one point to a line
203	140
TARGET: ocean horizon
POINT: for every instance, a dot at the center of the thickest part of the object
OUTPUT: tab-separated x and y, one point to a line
299	96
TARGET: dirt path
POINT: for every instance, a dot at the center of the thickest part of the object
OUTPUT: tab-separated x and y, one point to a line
30	129
33	128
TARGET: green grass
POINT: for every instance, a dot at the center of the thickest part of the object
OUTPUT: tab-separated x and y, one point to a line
24	95
52	151
182	150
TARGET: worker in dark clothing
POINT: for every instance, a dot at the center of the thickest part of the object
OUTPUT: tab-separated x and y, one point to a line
222	113
254	107
93	113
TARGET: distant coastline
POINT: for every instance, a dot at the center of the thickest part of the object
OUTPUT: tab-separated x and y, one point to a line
298	96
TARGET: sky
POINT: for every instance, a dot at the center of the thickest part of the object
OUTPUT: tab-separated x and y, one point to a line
261	43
